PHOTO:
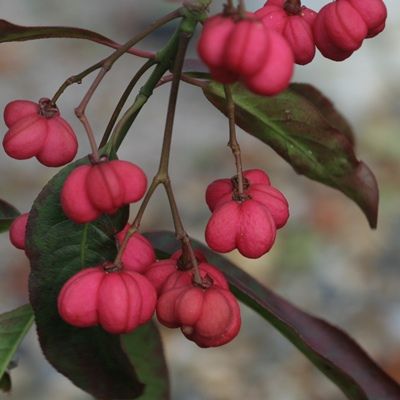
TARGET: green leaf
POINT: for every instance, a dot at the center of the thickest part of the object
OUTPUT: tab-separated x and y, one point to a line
10	32
330	349
144	348
7	215
307	136
58	248
14	325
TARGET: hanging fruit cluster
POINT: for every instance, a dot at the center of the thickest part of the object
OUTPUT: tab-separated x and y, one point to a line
251	58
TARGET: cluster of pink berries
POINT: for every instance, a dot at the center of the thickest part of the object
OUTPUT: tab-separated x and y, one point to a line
121	299
245	221
37	130
260	49
123	295
101	188
342	26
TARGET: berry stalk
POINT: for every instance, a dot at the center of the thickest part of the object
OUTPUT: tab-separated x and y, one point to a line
162	176
187	251
233	143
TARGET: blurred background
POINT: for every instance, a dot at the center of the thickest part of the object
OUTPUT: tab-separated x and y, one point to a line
326	260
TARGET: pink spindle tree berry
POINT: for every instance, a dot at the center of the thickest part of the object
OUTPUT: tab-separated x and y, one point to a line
246	48
244	225
37	130
323	41
91	190
221	187
212	44
374	14
160	271
118	301
17	231
344	25
242	49
341	26
256	186
275	74
207	314
166	274
138	254
295	24
207	271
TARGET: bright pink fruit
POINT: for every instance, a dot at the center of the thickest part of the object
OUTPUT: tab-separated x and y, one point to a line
118	301
323	41
257	186
77	300
17	231
126	300
295	28
160	271
221	187
112	184
247	226
132	178
75	201
208	316
60	146
246	48
91	190
243	49
104	188
273	16
183	278
219	322
18	109
216	190
26	137
275	74
374	14
341	26
256	175
138	254
212	43
344	25
165	275
272	199
299	35
38	130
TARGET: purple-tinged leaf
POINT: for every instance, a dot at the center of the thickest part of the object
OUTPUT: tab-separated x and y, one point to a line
293	124
330	349
10	32
325	107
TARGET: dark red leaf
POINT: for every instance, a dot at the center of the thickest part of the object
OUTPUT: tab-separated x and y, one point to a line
325	107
